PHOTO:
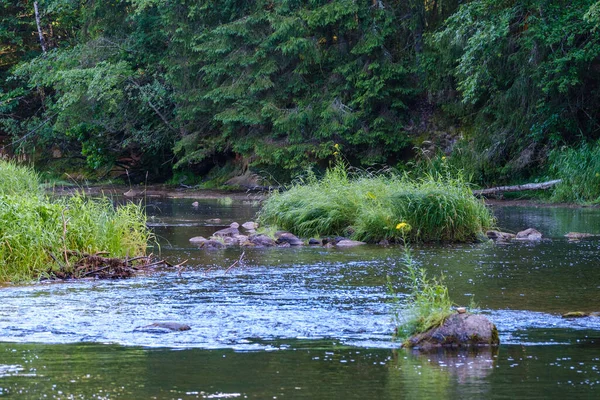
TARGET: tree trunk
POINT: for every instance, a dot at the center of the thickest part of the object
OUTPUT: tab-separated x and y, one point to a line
39	26
517	188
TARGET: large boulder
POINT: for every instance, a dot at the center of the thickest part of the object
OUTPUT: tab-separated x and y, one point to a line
458	330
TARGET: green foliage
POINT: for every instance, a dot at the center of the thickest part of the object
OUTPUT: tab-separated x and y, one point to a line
271	85
372	207
579	169
428	303
35	231
523	74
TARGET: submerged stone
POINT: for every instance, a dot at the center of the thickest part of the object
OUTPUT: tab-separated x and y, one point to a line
198	240
578	235
458	330
580	314
162	327
314	242
349	243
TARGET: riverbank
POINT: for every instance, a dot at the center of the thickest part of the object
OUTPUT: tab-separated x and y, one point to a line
178	192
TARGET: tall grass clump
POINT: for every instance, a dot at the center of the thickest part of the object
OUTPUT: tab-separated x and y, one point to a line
372	207
39	235
428	303
579	169
16	179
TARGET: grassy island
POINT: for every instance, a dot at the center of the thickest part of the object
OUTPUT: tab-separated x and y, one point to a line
39	235
373	207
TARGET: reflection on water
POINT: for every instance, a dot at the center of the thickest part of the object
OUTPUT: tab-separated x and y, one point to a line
305	370
308	322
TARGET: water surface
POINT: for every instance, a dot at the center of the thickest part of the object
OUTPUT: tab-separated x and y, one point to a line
308	322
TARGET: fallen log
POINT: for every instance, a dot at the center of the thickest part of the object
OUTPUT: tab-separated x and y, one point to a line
517	188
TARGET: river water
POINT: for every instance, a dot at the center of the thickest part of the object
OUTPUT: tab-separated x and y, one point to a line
308	323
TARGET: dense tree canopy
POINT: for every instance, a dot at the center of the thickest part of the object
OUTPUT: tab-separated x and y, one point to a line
276	84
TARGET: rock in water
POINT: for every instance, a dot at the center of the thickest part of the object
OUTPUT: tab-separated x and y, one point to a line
286	237
458	330
261	241
529	234
578	235
499	236
227	232
250	225
163	327
348	243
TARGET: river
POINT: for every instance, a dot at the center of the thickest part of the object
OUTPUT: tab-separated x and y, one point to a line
309	323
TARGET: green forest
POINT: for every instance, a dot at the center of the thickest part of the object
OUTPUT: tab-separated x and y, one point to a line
506	91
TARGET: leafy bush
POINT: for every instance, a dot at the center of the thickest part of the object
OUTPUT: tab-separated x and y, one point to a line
371	207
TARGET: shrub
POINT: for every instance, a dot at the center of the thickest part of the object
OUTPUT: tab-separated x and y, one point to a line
369	207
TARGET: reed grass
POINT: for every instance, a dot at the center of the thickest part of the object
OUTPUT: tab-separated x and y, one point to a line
39	234
371	206
579	169
428	303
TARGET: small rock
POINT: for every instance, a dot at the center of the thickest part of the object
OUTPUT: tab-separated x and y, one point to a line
162	327
261	240
234	225
349	243
227	232
212	244
195	204
461	310
251	231
314	242
198	240
333	240
499	236
241	239
284	244
384	242
529	234
250	225
286	237
214	221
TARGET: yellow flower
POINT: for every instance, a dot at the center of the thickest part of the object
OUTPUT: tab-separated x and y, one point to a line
443	158
403	226
335	153
337	146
